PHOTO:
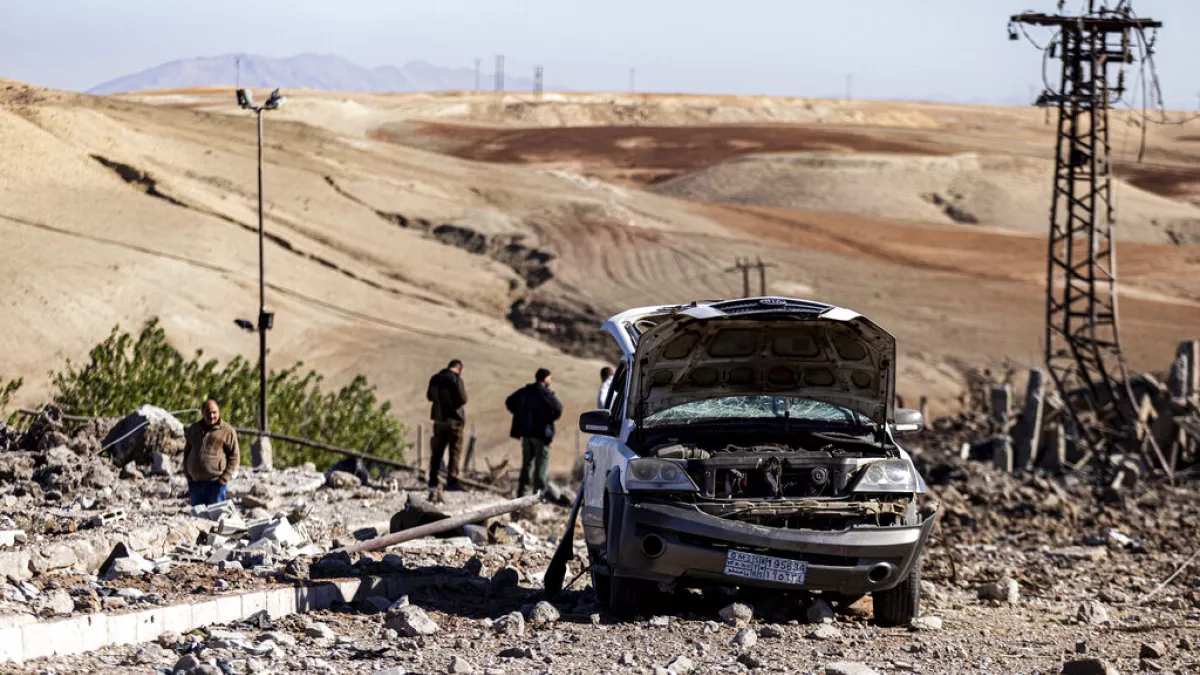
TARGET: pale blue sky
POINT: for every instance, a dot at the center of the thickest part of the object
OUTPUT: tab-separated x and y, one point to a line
916	49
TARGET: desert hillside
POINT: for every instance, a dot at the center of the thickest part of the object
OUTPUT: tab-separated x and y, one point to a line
408	229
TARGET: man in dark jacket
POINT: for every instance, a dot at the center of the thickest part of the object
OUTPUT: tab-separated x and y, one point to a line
534	408
210	456
448	395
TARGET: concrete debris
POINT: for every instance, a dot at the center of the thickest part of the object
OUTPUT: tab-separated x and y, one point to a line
1153	650
771	631
1006	590
926	623
460	666
737	614
543	613
320	631
142	433
745	638
849	668
410	621
749	660
341	480
825	632
627	659
13	537
680	665
1092	613
510	624
660	621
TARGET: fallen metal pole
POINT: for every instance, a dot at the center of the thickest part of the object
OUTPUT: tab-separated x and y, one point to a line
446	525
363	456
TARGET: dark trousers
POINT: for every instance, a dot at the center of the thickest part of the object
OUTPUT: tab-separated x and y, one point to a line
535	461
445	435
206	492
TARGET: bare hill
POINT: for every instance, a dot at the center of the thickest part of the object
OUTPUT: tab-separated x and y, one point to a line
388	253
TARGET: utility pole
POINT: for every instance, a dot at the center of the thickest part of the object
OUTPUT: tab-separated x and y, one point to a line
1083	349
537	82
849	86
743	266
632	80
477	75
262	450
499	72
762	275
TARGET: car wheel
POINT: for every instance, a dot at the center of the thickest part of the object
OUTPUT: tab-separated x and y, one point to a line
625	596
901	604
601	586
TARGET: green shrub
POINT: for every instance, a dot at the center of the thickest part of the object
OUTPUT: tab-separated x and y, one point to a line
123	373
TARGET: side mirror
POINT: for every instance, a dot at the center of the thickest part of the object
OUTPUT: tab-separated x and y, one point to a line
908	422
598	422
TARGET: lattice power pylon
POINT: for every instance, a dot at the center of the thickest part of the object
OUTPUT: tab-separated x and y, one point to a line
1083	350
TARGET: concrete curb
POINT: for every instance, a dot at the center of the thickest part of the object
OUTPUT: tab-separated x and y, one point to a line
86	633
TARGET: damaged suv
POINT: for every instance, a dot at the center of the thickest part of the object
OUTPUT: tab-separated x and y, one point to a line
751	442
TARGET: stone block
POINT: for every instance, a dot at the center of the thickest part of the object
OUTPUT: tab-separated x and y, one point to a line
12	648
1001	403
15	564
204	613
149	624
253	602
282	601
229	609
122	628
347	590
1027	433
94	632
177	618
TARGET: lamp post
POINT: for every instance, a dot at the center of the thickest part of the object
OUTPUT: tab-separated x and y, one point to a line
265	319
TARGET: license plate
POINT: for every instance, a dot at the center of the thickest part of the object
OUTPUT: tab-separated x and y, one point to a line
765	568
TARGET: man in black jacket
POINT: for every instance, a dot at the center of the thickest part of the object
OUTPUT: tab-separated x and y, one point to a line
534	408
448	395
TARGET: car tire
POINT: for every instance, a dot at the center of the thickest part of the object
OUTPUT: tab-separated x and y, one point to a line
625	597
601	587
899	605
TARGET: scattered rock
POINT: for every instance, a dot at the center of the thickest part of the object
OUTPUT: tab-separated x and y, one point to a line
187	664
771	631
745	638
1006	590
749	660
660	621
460	666
819	612
342	480
149	655
410	621
849	668
1089	667
55	603
506	577
320	631
680	665
926	623
510	624
517	653
1092	613
737	614
627	659
543	613
825	632
1153	650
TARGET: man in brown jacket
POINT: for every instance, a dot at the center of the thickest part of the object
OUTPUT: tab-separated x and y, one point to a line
210	456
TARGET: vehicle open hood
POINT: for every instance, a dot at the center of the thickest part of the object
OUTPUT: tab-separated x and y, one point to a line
759	346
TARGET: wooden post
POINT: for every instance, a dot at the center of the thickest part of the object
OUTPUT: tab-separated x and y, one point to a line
469	459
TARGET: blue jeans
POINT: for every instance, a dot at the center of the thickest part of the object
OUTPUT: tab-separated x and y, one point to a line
208	492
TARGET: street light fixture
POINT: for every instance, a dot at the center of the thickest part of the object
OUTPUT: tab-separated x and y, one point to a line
266	319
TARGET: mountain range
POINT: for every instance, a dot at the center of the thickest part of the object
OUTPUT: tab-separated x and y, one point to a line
304	71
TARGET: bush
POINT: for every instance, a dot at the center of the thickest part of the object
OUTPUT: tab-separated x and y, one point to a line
123	374
6	393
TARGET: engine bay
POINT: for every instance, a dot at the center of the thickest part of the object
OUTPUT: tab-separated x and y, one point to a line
779	484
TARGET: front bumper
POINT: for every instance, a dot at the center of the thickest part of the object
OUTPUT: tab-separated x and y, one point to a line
686	544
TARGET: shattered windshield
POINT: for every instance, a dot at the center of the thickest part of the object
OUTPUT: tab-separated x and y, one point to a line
757	407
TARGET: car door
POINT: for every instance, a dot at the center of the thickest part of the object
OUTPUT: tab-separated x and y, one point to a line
598	461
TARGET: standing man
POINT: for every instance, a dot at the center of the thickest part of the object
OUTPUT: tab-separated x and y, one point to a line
534	408
448	395
210	456
606	376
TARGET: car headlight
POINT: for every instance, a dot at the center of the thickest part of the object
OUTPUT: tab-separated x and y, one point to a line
890	475
658	474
